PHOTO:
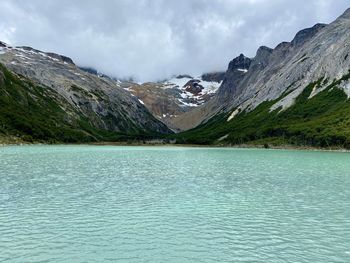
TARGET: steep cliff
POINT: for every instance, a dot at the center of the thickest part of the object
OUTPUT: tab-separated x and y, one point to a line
101	103
297	91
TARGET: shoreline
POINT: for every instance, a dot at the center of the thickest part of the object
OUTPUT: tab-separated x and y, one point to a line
138	144
237	146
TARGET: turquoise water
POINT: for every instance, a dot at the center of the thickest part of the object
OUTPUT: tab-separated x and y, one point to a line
150	204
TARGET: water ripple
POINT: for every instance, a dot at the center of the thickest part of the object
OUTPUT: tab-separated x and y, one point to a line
135	204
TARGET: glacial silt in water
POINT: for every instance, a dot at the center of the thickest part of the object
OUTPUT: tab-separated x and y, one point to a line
173	204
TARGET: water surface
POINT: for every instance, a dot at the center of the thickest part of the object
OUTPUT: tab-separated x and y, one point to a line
163	204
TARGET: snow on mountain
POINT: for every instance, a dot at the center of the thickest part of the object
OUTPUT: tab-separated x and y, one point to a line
193	91
169	99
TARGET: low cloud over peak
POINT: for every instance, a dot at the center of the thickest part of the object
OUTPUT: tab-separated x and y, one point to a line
155	39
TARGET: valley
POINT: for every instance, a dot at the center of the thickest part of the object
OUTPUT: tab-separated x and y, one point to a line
294	94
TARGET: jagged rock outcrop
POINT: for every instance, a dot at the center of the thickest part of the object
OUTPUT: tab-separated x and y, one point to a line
193	86
296	94
321	51
314	53
306	34
235	73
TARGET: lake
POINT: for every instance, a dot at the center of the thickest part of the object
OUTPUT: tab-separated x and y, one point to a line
173	204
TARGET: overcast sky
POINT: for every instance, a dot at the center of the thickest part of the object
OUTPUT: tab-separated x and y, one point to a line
155	39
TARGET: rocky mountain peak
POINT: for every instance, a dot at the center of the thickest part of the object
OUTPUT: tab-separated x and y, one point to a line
285	66
262	56
50	54
235	73
60	57
103	101
283	45
263	51
302	36
346	14
239	63
194	87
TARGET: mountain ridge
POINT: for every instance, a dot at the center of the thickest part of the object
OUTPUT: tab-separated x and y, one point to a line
101	103
283	84
294	93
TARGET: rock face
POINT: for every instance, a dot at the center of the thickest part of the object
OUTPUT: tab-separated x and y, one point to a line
235	73
193	87
295	94
314	53
319	52
102	101
214	77
304	35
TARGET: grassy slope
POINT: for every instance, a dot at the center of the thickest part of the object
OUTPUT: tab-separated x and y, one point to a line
31	113
321	121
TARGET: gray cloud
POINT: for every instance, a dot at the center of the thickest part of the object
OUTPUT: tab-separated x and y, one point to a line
155	39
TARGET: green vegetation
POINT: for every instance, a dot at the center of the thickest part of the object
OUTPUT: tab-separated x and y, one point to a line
320	121
32	113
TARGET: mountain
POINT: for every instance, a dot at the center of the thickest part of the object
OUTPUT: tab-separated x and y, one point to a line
296	93
168	100
45	96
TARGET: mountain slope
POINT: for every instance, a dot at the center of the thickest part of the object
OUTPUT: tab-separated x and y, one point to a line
296	93
322	121
96	108
236	72
169	100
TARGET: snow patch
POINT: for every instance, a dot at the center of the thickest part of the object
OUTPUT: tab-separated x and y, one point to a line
313	92
242	70
188	104
141	102
223	138
345	85
22	56
233	114
317	89
34	52
209	88
179	82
